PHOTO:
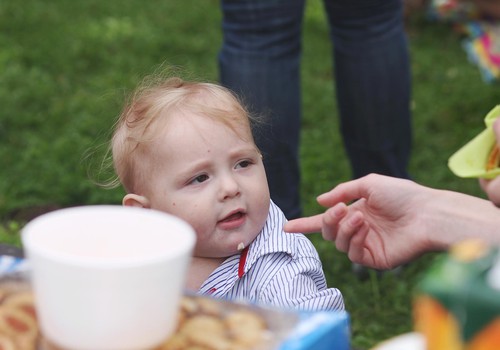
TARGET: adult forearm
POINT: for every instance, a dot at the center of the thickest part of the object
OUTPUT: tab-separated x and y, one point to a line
452	217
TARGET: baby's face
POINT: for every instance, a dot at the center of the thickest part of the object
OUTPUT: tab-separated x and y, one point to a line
214	179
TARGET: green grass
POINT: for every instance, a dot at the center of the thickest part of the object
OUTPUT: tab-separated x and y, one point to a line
65	67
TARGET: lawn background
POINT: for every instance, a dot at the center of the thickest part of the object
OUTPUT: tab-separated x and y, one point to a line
66	67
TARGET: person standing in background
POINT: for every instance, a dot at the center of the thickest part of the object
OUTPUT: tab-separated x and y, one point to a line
260	61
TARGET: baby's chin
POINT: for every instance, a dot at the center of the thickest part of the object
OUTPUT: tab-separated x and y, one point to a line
226	245
227	252
236	243
236	248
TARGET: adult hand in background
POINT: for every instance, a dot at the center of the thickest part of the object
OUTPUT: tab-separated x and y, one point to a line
381	229
392	221
492	187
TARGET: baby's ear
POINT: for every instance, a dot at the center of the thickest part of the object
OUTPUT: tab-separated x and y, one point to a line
135	200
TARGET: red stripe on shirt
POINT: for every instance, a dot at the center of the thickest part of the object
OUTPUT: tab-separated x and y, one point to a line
243	259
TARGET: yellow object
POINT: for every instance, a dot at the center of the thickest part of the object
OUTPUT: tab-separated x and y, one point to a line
469	250
438	326
471	159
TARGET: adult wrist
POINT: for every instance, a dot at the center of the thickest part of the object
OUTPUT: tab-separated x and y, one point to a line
454	217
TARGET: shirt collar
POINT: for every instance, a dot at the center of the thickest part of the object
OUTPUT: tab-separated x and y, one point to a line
272	238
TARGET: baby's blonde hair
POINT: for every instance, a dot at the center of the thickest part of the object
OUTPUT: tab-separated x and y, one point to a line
149	108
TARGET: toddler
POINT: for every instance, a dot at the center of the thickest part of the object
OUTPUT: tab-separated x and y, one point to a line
186	148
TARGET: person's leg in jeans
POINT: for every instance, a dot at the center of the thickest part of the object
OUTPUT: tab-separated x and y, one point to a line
260	61
372	74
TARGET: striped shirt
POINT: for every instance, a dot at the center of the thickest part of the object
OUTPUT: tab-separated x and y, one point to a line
278	268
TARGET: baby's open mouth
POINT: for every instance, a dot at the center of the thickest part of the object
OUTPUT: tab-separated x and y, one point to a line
234	216
233	220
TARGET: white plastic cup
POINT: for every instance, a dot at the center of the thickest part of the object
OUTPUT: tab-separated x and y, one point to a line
107	277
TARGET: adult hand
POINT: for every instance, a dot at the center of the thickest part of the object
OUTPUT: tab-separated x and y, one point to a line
381	229
492	187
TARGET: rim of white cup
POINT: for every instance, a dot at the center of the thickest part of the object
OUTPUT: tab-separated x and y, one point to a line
32	228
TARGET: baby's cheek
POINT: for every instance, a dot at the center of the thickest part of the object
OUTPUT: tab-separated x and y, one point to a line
182	210
202	234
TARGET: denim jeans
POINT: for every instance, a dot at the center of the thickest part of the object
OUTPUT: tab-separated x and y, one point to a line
260	61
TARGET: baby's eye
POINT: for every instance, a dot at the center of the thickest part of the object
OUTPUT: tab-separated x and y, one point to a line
243	164
199	179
